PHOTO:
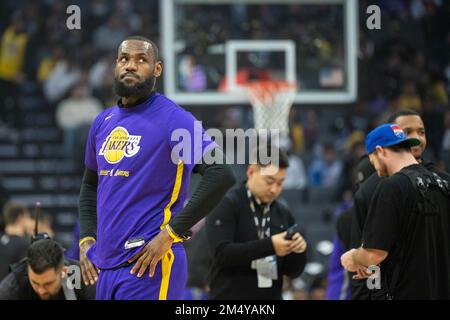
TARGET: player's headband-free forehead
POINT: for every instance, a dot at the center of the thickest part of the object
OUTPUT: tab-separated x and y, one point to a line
127	44
143	46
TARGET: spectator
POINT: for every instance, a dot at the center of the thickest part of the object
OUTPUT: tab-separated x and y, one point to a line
445	153
108	37
192	75
13	48
100	81
409	98
4	197
311	128
98	14
49	62
64	75
74	116
14	241
125	9
296	177
326	168
318	287
45	224
294	289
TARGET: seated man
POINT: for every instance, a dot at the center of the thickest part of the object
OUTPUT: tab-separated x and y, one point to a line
45	275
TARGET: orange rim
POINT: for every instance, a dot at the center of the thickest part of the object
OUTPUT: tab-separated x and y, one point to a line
266	90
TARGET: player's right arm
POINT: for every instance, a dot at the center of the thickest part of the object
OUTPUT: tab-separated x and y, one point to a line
88	224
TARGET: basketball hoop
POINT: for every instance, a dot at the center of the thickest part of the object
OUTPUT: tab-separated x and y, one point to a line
271	101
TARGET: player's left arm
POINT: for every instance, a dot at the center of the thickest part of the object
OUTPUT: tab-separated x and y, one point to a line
216	180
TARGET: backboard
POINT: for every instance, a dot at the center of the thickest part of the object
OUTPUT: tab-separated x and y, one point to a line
210	46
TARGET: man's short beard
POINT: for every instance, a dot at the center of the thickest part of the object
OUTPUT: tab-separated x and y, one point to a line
140	89
383	168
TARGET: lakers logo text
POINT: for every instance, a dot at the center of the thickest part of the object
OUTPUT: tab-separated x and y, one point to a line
119	144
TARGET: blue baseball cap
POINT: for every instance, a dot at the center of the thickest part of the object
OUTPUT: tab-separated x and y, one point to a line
388	135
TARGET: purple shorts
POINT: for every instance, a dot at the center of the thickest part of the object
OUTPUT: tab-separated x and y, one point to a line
167	283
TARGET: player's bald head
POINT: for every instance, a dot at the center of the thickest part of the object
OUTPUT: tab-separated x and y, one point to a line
139	44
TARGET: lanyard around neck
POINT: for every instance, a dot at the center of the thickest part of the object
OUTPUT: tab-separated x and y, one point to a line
262	227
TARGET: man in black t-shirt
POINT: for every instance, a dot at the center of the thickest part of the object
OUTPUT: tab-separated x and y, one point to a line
409	242
413	126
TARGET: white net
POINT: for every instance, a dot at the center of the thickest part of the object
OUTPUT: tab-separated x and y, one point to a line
271	102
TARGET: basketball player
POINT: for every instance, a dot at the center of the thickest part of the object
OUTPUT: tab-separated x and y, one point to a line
134	212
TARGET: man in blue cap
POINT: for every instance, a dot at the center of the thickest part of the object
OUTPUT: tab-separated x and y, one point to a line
389	149
405	236
413	126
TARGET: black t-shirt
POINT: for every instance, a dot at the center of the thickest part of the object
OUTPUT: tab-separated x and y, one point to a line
420	243
362	200
12	250
364	195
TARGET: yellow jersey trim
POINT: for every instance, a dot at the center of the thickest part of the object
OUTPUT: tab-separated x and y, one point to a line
175	193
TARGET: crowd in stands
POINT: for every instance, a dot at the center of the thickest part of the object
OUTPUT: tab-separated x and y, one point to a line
406	64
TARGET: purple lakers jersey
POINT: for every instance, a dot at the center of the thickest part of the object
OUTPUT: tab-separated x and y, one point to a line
144	157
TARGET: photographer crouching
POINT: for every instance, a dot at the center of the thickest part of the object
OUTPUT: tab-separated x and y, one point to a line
45	275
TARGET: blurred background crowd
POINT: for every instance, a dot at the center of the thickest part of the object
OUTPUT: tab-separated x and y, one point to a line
54	81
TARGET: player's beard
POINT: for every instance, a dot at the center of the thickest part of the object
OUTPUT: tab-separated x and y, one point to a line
140	89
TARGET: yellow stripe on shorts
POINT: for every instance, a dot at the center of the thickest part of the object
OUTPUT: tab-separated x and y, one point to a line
166	267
